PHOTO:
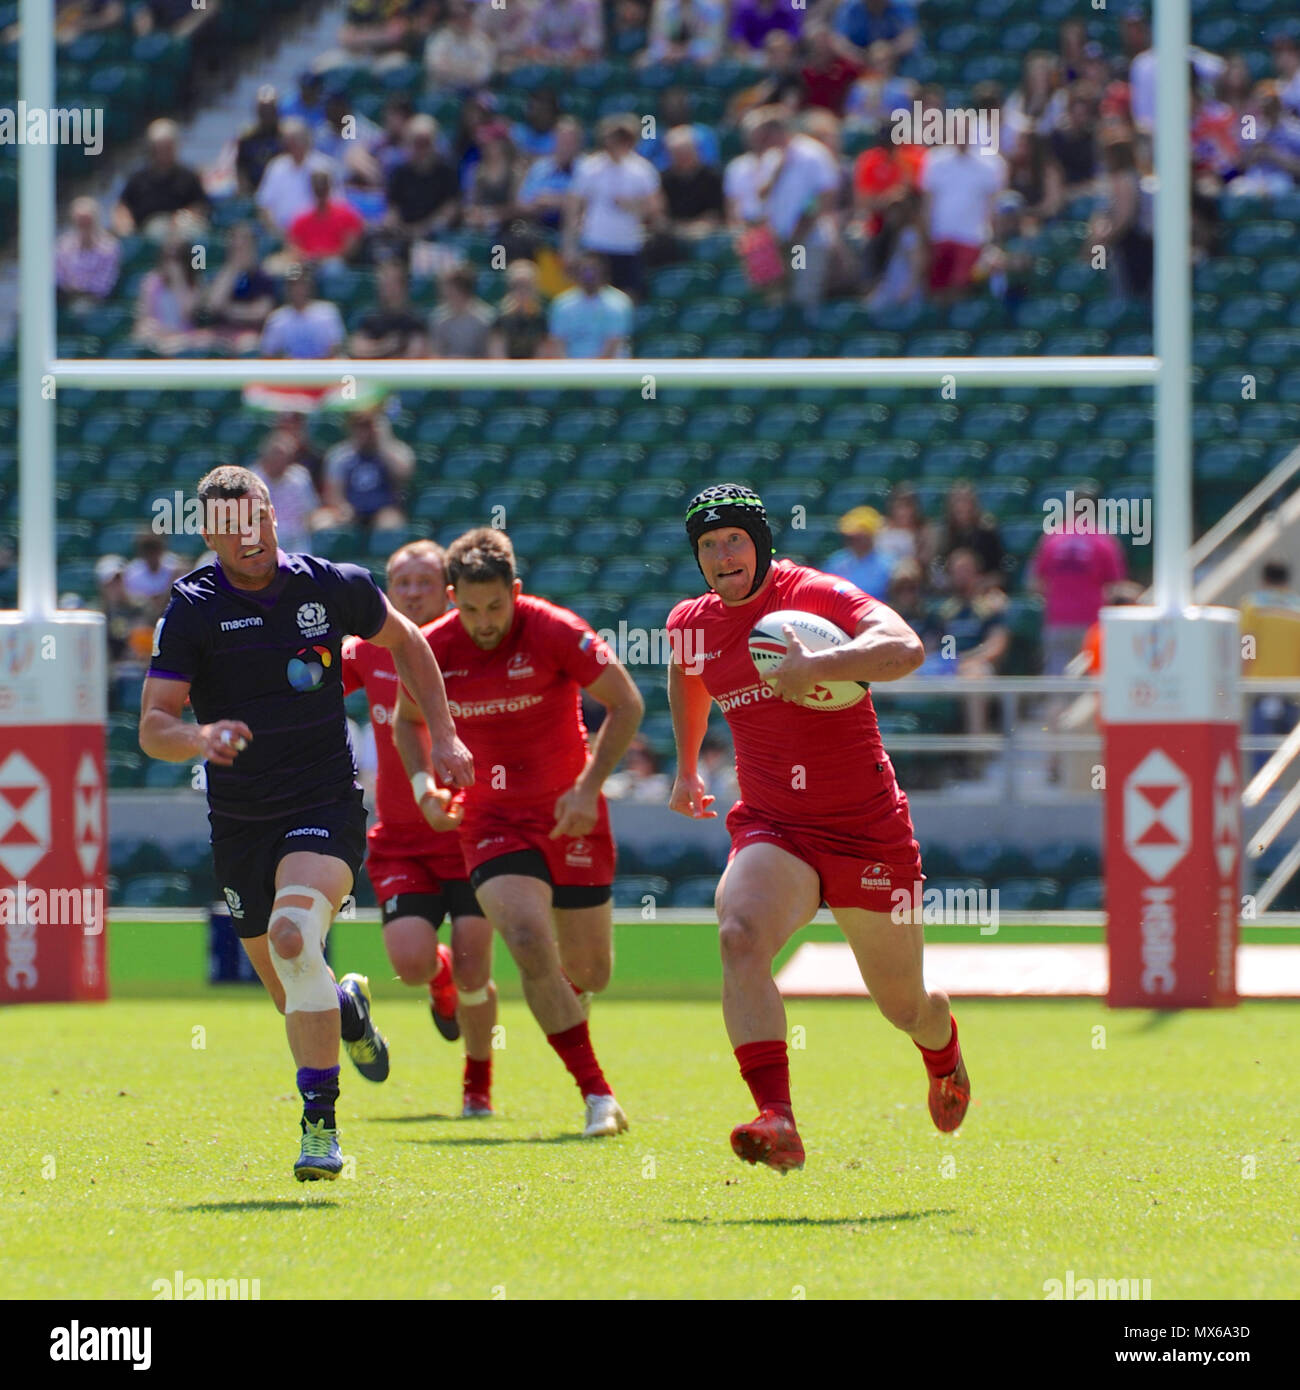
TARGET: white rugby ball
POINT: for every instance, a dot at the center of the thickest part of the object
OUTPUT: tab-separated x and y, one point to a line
767	649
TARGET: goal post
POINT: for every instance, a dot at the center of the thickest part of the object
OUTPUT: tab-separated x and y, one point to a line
42	373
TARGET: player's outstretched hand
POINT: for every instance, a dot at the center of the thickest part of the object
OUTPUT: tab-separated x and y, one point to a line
224	740
442	809
576	813
794	677
688	798
453	763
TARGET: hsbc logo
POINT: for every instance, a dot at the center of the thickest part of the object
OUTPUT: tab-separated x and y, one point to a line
1226	802
579	855
1157	815
24	815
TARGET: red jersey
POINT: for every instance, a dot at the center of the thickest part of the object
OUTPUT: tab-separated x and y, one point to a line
823	770
518	708
398	820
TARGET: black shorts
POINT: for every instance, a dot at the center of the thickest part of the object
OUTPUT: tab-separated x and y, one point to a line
246	854
532	864
455	900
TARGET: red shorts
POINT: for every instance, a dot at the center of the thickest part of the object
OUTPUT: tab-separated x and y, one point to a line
951	263
870	878
580	861
402	866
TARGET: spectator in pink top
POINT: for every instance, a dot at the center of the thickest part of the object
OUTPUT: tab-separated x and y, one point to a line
1076	570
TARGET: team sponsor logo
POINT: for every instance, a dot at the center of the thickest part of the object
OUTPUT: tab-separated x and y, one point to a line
234	624
234	902
875	876
1157	814
307	667
712	515
578	855
475	709
384	675
447	674
491	840
390	904
313	620
747	695
308	830
519	666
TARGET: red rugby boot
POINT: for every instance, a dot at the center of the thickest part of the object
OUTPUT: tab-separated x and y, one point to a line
443	997
771	1138
949	1097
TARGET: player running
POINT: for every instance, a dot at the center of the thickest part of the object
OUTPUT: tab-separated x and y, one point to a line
418	874
821	816
535	833
253	642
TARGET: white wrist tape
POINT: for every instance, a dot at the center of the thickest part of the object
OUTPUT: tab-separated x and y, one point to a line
422	785
308	984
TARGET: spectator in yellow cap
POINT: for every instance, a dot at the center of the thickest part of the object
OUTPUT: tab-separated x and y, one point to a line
858	560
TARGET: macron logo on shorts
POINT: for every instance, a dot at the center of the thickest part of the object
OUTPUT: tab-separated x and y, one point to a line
308	830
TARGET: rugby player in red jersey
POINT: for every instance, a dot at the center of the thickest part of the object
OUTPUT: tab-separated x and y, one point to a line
821	816
535	833
418	873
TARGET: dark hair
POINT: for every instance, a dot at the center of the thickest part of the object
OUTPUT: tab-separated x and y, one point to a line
1277	572
480	556
230	480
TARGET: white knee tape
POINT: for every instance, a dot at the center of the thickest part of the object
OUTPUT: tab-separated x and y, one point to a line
308	985
470	997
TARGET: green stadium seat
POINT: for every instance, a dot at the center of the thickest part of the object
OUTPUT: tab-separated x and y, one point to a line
342	543
446	427
1269	420
1280	277
609	462
1088	895
651	498
166	776
664	538
574	501
877	344
695	892
1278	348
522	497
538	539
543	463
124	768
641	890
630	574
110	428
1242	460
382	543
894	459
1263	239
788	423
681	282
1029	894
749	464
583	426
1008	342
924	423
650	423
993	422
156	890
817	459
856	422
685	461
736	345
440	501
75	540
721	424
977	315
953	458
98	504
562	577
515	425
117	538
1211	422
1003	495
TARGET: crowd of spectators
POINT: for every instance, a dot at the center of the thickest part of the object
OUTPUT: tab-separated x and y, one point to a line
893	224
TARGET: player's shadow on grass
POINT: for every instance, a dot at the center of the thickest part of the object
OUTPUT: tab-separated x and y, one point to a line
412	1119
483	1139
264	1204
809	1220
1157	1018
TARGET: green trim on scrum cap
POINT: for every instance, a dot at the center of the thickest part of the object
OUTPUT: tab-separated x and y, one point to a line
734	500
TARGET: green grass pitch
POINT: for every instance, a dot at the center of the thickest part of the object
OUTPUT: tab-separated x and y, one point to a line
136	1146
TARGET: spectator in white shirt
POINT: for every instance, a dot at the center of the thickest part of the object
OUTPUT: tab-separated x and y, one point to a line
614	195
148	579
459	55
292	494
305	326
960	185
285	190
799	189
743	177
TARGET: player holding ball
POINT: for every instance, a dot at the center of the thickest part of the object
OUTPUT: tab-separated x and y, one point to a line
821	816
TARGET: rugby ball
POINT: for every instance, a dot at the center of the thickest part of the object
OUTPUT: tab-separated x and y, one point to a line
767	649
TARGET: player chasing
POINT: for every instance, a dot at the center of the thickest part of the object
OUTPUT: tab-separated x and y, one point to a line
253	642
821	816
535	832
418	874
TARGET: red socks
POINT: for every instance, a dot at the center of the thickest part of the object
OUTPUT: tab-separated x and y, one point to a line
942	1062
574	1047
765	1067
478	1076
